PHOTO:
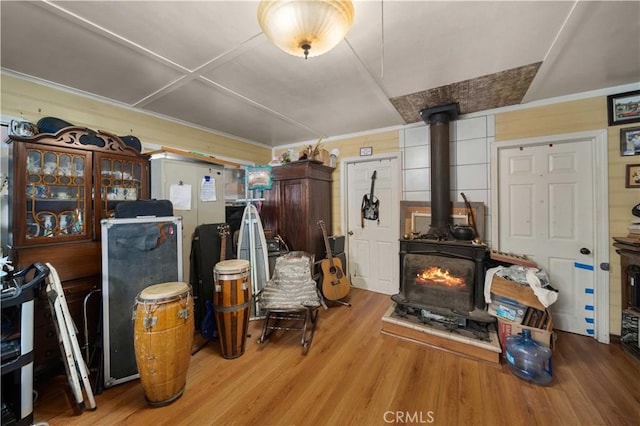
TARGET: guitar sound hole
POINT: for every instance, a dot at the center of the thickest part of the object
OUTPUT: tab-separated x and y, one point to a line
335	271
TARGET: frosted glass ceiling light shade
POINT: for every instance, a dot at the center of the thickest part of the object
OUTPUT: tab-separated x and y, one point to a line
305	28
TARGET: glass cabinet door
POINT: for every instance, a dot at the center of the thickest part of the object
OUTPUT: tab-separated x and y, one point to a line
56	203
120	179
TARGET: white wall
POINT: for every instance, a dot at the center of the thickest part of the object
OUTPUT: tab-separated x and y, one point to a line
471	140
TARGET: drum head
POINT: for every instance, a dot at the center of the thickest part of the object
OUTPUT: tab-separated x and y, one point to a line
163	291
233	265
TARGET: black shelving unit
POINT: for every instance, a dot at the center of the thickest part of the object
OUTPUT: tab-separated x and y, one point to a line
17	306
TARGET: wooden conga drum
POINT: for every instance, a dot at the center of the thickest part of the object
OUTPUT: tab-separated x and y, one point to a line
232	305
163	336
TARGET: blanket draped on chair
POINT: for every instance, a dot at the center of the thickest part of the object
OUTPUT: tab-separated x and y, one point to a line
291	286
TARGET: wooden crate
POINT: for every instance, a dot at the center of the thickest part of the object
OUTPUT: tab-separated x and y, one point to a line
519	293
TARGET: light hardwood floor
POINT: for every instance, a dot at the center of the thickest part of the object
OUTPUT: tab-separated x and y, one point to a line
354	375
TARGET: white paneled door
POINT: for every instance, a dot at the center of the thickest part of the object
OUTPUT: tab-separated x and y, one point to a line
546	211
373	245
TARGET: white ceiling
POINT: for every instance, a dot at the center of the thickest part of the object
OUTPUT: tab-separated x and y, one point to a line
208	63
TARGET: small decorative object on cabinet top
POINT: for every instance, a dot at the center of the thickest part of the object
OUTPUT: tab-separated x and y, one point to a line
22	128
313	152
285	157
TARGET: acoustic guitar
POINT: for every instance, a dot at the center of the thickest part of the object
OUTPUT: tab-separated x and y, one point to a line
370	203
335	285
208	328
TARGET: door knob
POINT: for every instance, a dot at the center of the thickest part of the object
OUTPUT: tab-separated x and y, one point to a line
350	232
585	250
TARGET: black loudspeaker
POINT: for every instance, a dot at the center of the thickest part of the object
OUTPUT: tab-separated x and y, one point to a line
205	253
136	253
336	244
133	209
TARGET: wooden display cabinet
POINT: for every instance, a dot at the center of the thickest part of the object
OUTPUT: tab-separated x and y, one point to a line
62	186
629	250
299	198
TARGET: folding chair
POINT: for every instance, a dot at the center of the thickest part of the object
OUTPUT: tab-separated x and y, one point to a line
291	296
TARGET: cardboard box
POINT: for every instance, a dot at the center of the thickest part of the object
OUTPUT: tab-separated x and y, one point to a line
506	309
518	294
323	156
508	328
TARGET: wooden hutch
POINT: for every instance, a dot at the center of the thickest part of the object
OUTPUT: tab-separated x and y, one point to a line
62	185
299	198
629	250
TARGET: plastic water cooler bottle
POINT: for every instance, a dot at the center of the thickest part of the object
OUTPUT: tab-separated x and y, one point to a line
528	359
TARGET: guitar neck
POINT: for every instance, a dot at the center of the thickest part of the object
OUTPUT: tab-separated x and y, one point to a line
223	232
373	183
326	244
328	249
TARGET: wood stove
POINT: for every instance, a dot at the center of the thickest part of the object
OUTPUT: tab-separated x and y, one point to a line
442	278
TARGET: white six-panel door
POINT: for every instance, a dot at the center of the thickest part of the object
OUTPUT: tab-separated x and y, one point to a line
374	248
546	211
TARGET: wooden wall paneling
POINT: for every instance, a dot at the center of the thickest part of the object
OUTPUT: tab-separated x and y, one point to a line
32	101
566	117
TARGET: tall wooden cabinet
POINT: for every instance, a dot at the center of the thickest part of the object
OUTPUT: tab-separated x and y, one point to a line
61	186
299	198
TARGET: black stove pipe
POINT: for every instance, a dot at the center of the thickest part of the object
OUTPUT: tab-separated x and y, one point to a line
438	119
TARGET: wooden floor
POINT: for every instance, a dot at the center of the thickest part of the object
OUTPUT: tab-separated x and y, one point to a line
354	375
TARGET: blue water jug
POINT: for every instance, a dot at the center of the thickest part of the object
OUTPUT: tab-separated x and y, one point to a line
528	359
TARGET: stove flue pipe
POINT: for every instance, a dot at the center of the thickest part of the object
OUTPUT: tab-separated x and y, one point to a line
438	119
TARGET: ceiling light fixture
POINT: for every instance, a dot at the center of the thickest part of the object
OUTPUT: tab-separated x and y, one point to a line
305	28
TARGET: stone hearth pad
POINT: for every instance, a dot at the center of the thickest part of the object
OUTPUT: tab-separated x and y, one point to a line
405	328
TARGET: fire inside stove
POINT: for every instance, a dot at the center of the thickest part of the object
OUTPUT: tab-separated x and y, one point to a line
438	282
439	276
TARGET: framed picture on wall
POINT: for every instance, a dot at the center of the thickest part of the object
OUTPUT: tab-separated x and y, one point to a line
630	141
633	176
259	177
623	108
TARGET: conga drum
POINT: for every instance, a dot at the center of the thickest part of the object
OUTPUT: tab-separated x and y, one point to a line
232	305
163	336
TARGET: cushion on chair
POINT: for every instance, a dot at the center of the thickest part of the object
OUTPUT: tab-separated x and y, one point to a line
291	286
